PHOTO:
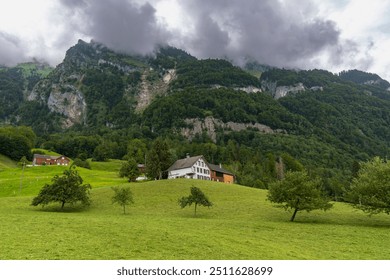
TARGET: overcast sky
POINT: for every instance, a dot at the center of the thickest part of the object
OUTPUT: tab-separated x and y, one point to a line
328	34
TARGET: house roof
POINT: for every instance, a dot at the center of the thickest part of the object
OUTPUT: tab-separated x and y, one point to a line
48	157
185	163
218	168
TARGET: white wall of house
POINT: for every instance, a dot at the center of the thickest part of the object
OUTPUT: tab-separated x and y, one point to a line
199	170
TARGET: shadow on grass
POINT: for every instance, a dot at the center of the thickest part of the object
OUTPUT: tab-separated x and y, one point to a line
357	220
363	222
58	209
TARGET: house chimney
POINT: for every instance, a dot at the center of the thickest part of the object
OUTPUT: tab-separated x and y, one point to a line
220	165
188	155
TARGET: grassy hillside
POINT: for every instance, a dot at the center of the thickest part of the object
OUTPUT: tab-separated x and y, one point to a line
6	162
15	182
240	225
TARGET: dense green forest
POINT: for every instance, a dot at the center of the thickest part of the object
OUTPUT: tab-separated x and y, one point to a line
198	73
338	121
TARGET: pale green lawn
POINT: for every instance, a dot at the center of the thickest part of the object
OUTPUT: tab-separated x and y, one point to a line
16	182
240	225
6	163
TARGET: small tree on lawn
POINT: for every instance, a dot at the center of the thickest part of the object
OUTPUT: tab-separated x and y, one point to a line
197	197
298	192
370	190
68	188
122	196
129	170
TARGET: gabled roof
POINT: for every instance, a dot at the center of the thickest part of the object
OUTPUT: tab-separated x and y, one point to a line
48	157
185	163
218	168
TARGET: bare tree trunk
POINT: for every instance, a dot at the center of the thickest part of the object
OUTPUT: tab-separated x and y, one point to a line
293	216
295	211
196	204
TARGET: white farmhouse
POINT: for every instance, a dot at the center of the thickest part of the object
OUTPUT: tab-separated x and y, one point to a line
190	168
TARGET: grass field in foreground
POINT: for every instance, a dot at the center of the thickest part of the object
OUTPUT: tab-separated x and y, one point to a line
240	225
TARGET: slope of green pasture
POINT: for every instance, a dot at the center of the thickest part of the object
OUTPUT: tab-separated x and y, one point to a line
240	225
113	165
16	182
6	162
44	152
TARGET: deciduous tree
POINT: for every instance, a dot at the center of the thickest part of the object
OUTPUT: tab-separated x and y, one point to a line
123	196
297	191
68	188
129	170
370	190
196	197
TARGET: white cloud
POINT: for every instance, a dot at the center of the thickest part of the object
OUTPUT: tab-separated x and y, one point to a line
38	26
367	23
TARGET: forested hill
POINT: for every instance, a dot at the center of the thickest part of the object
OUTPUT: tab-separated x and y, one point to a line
96	102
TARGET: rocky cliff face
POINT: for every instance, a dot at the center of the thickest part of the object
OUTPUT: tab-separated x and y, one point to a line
71	104
281	91
210	125
63	90
61	93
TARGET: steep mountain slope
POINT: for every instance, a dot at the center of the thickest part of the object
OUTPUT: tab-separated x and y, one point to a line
95	86
363	78
91	76
351	114
15	82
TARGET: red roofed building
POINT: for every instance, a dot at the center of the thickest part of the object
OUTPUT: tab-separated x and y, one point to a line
50	160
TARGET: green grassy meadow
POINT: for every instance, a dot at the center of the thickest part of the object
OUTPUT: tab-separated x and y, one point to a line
242	224
6	163
16	182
